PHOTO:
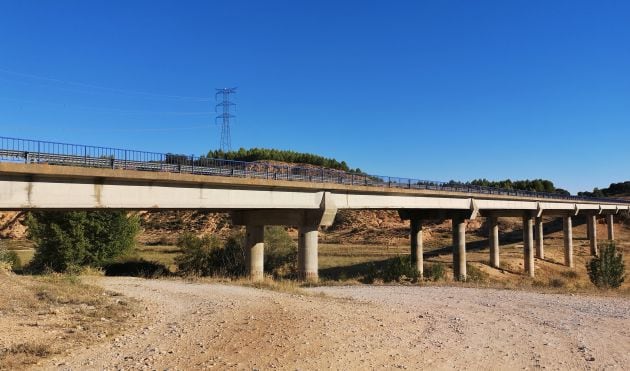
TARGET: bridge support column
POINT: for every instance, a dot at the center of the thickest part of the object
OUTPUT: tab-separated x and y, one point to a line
493	226
307	253
540	251
611	226
416	246
567	226
459	248
592	227
528	244
588	227
255	250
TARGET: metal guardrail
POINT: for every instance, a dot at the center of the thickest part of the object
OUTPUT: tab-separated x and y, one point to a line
41	152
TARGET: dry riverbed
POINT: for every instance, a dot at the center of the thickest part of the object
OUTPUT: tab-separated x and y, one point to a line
185	325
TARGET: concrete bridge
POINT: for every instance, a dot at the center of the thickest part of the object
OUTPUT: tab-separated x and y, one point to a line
38	181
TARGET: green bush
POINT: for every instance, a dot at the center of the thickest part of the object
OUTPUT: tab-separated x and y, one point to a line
10	258
400	268
435	271
79	238
607	270
208	256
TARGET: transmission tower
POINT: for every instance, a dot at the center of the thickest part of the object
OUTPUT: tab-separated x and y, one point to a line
223	107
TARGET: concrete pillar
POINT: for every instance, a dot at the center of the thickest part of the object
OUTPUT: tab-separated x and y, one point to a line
416	246
459	248
307	253
493	226
567	225
611	226
588	227
540	251
255	251
528	244
593	233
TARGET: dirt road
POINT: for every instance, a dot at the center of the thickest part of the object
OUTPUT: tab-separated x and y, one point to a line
204	326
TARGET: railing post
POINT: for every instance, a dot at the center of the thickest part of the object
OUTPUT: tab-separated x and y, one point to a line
85	155
125	163
192	164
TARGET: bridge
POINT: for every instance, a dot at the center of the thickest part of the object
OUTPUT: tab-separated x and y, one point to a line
37	175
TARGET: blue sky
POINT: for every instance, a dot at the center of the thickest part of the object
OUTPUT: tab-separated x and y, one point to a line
425	89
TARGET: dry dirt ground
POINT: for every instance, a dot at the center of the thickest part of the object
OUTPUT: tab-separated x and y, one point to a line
184	325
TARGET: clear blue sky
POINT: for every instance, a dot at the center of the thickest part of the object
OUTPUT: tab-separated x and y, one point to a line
426	89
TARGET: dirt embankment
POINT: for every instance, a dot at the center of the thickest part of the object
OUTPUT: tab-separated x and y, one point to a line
198	326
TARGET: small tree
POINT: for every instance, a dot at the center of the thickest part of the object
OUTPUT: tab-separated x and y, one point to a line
79	238
607	270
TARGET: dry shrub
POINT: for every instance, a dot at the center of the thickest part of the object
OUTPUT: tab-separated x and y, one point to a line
474	274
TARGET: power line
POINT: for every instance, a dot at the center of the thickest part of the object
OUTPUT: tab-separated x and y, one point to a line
107	109
106	130
225	116
114	90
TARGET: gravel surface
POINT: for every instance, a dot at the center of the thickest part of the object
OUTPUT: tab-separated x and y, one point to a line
213	326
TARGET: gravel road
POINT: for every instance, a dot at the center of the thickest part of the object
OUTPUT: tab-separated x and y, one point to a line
212	326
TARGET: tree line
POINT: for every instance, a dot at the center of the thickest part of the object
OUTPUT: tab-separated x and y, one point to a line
266	154
615	189
533	185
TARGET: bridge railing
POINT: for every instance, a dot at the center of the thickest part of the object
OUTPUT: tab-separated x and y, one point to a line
64	154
